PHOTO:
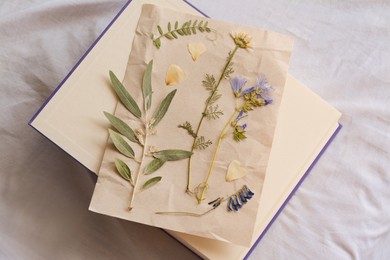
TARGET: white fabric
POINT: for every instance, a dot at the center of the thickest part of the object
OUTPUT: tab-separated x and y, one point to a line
340	212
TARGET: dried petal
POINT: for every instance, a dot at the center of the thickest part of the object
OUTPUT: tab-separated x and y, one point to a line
235	171
175	74
196	49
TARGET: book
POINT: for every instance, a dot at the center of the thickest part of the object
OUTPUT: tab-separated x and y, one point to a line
305	121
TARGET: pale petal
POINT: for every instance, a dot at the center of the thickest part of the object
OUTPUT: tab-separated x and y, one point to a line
235	171
175	75
196	49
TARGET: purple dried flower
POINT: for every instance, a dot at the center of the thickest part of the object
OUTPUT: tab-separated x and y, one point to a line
248	90
263	89
237	84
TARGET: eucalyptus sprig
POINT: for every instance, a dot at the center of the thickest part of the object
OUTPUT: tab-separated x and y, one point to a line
140	136
174	31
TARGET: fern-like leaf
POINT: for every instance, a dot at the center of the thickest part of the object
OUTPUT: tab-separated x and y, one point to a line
229	71
187	126
213	112
209	83
201	143
173	32
214	98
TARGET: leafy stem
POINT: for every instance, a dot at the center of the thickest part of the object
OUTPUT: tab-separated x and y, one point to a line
173	32
220	138
227	69
140	167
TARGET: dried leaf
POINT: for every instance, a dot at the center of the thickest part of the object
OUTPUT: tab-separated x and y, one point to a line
196	49
154	165
172	154
121	144
175	75
235	171
123	170
147	85
201	143
125	96
162	109
122	127
151	182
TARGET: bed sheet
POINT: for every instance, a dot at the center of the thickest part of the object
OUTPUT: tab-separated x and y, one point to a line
340	212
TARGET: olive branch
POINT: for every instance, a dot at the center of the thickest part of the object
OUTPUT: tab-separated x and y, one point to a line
140	136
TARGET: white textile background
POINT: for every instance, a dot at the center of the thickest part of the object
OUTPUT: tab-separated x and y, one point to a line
340	212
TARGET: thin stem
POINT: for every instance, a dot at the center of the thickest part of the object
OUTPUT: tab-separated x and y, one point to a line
139	168
190	214
221	136
204	114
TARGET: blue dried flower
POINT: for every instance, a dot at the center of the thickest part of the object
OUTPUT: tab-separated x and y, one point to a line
237	84
236	201
263	89
248	90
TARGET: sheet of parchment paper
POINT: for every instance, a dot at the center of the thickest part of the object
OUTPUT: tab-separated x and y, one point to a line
269	56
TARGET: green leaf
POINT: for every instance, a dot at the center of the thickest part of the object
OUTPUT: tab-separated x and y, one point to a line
147	85
154	165
121	144
187	126
162	109
214	98
209	83
160	30
201	143
168	36
172	154
213	112
124	96
151	182
123	170
122	127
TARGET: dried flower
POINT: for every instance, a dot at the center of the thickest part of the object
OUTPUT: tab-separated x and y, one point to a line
237	84
242	40
196	49
237	200
175	74
263	89
235	171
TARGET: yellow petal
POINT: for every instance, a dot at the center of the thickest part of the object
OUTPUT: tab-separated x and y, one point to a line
196	49
175	75
235	171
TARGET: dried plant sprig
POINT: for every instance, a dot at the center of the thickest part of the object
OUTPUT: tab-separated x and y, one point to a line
254	97
140	136
201	143
213	112
212	86
235	202
173	32
187	126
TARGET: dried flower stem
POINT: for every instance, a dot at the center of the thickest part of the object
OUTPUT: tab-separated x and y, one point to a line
229	60
221	136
